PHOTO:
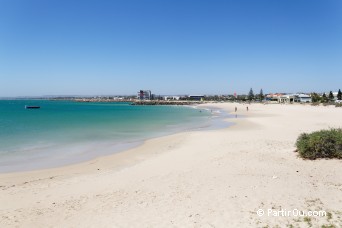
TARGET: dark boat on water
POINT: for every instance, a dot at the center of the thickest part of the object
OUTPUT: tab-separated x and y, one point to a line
31	107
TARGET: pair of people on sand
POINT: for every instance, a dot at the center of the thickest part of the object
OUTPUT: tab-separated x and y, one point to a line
236	109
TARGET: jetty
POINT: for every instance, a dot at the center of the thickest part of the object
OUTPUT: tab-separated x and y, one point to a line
161	102
137	101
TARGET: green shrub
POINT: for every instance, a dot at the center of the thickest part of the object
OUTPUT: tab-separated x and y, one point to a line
338	105
328	103
320	144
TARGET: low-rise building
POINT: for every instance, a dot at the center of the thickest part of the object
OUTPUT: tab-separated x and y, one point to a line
196	97
167	98
288	98
302	98
274	97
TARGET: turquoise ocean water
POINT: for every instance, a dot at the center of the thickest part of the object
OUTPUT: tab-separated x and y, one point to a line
65	132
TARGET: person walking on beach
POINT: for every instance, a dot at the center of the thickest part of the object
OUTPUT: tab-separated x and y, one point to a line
235	109
247	108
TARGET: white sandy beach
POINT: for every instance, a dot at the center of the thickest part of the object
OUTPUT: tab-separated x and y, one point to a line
217	178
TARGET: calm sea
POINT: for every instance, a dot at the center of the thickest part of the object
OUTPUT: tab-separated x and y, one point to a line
65	132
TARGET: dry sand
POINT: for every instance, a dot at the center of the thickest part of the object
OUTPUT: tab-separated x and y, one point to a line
217	178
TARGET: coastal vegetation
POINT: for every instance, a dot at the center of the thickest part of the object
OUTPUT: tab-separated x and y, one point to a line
320	144
251	95
326	99
315	98
339	95
331	96
261	95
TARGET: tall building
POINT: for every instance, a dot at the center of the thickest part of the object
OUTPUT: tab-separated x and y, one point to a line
145	95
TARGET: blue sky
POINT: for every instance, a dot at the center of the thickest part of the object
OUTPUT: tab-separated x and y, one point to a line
60	47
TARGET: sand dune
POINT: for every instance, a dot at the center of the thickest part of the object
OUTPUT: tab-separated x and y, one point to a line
217	178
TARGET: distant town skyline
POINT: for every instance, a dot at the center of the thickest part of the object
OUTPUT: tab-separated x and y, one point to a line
169	47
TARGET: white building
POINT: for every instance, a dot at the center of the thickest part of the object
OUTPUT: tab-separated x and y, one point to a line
302	98
286	98
289	98
166	98
335	95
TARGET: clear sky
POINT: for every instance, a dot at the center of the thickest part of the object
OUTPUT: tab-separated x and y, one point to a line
65	47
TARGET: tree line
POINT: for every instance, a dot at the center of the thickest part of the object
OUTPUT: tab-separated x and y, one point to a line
324	98
315	97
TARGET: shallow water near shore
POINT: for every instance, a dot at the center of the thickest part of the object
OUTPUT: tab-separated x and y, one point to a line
65	132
